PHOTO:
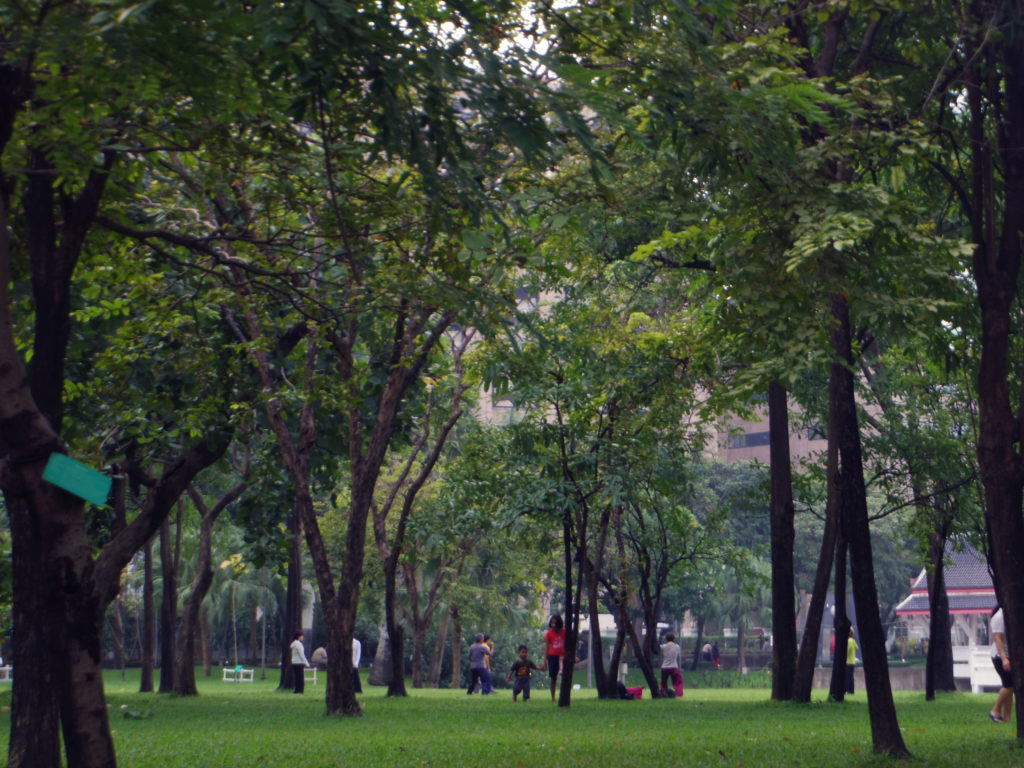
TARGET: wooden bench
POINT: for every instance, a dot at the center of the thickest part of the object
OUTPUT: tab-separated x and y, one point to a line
239	675
7	673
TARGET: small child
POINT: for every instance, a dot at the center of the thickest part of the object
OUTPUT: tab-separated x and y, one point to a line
521	669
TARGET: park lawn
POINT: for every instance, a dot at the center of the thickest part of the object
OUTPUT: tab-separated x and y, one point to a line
252	724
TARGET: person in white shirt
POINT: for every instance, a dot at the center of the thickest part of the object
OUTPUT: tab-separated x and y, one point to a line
671	655
299	663
1003	709
357	654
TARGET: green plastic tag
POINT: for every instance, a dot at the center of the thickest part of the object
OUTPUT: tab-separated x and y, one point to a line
77	478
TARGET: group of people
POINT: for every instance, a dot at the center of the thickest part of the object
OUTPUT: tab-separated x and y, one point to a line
710	653
480	653
520	674
300	662
521	671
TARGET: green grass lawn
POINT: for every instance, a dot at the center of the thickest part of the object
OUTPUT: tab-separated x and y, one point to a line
252	724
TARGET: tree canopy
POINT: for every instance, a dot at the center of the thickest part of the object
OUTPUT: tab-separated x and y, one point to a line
261	260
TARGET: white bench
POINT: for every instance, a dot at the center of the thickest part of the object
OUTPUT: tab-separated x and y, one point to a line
7	673
983	674
239	675
310	675
962	661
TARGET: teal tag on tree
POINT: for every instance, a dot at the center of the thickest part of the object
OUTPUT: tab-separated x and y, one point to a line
77	478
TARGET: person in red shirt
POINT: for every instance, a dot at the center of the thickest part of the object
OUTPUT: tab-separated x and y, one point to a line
554	649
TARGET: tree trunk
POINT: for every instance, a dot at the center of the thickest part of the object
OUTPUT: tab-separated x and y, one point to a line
396	637
185	681
939	664
70	622
604	682
810	646
84	724
396	633
419	632
117	635
594	565
784	649
204	642
380	673
700	641
840	623
168	609
148	624
35	719
293	603
885	731
565	692
456	648
644	660
437	655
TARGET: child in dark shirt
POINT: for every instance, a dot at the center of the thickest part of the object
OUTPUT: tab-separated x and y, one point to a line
521	671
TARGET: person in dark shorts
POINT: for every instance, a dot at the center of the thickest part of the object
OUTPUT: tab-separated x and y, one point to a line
520	674
1003	709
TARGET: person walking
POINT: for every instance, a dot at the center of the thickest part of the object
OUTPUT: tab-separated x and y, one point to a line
521	670
299	663
671	655
1003	709
478	652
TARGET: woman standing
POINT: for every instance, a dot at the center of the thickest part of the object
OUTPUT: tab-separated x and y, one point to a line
299	663
671	655
554	650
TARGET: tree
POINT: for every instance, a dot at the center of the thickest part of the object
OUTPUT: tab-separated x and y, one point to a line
375	295
185	682
992	197
603	388
64	118
782	512
926	463
414	473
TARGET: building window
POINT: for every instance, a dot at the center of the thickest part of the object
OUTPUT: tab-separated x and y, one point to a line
749	440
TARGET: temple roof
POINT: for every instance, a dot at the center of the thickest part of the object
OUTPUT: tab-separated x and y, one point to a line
968	585
964	570
972	603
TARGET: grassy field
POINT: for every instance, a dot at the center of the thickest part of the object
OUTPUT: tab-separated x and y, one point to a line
252	724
